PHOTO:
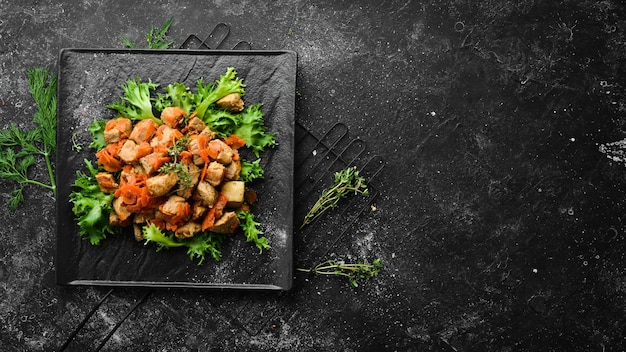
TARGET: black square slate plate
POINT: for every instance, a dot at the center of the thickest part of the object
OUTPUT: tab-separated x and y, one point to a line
89	80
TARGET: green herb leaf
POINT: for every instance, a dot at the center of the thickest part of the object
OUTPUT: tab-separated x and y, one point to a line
251	230
345	182
251	171
96	129
136	104
91	206
356	273
18	148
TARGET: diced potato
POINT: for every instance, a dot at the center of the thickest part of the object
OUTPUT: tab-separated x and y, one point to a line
234	191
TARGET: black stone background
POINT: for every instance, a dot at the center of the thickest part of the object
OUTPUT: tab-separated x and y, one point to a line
499	223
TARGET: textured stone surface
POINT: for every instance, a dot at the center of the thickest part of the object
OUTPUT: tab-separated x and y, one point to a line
498	221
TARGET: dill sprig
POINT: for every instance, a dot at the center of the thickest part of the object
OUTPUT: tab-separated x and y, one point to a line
345	182
19	148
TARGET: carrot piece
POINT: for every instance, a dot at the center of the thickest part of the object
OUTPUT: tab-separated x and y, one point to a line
235	155
215	212
108	161
213	150
186	157
143	149
204	170
234	141
160	223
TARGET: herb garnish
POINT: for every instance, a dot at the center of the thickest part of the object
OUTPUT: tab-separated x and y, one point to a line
356	273
155	38
19	148
345	182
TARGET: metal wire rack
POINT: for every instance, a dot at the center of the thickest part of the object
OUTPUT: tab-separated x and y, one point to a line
317	157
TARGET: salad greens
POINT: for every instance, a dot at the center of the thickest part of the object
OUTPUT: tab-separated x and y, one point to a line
19	148
142	100
91	206
136	104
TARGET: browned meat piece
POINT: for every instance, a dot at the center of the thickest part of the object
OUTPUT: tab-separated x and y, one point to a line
233	171
153	161
225	156
227	223
215	173
208	134
198	210
195	125
206	194
137	233
117	130
142	218
143	131
128	151
165	135
120	209
185	189
234	191
170	207
188	230
114	220
175	207
160	184
194	148
131	151
107	182
231	102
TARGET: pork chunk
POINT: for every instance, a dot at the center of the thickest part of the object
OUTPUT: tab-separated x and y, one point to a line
107	182
206	194
143	131
185	189
195	125
226	224
160	184
231	102
120	209
215	173
188	230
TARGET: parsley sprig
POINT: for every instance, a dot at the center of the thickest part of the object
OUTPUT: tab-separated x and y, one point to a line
345	182
20	148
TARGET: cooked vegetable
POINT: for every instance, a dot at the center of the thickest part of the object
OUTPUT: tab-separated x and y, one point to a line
233	191
176	179
345	182
19	148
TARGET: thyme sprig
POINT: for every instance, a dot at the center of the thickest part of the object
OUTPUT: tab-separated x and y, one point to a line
181	170
345	182
356	273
